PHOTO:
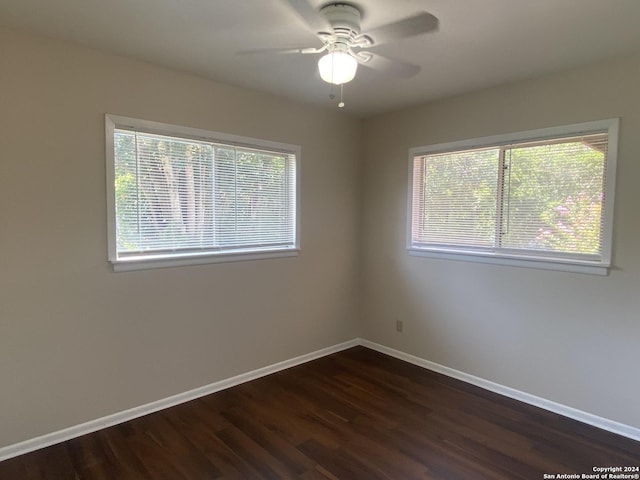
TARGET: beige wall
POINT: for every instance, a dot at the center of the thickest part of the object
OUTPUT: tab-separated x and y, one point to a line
569	338
78	341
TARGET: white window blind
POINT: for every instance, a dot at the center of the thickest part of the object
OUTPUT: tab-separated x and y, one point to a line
523	197
181	197
455	198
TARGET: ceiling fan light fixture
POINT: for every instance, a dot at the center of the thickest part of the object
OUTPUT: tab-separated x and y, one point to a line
337	67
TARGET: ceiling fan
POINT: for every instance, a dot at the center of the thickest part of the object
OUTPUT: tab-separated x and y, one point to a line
337	25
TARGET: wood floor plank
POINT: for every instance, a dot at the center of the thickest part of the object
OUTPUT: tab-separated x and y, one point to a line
270	441
357	414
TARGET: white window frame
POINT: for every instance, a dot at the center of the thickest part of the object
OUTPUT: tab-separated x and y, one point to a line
528	259
113	122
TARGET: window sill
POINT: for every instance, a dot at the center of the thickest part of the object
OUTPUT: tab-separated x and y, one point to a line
544	263
166	261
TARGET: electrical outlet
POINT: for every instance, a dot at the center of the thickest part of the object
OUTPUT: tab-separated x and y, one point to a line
399	325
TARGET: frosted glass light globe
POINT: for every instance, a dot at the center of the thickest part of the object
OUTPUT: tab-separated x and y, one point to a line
337	67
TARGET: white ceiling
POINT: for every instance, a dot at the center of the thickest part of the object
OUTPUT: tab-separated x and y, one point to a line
480	43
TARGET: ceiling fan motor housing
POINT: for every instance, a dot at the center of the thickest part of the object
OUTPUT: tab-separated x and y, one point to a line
344	19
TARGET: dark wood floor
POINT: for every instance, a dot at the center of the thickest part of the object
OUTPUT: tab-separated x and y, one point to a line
356	414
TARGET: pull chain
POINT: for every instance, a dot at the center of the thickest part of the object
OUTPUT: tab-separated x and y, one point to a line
332	96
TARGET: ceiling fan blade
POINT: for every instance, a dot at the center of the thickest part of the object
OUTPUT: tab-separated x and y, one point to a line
409	27
310	15
258	51
303	50
391	66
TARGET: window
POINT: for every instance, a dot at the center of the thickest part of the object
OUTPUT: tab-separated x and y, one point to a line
181	196
542	198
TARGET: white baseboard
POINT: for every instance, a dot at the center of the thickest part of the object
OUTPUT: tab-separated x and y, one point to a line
564	410
132	413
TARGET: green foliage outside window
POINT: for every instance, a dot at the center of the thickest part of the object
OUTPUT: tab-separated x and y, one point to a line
174	194
548	196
